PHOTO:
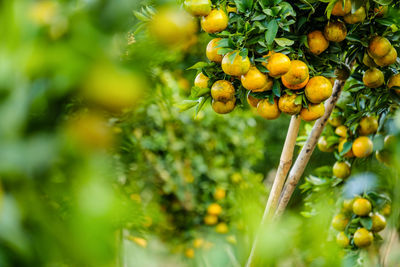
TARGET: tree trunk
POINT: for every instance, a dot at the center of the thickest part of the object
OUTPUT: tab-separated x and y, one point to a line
280	177
301	162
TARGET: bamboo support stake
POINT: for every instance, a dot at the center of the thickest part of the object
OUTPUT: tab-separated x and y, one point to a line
301	162
280	177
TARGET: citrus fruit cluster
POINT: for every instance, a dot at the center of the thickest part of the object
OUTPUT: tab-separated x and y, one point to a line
359	222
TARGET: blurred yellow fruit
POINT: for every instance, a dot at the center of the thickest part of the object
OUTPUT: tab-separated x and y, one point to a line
221	228
210	219
323	145
348	205
189	253
212	51
388	59
341	10
201	81
335	31
219	193
198	242
340	222
368	125
317	42
231	239
214	209
348	154
386	210
43	12
358	16
378	222
341	131
373	78
198	7
362	147
342	240
379	47
394	81
138	240
341	169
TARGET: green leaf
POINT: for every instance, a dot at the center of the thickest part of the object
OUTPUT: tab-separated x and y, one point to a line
244	5
284	41
366	222
271	32
346	148
202	101
200	65
383	2
186	104
276	88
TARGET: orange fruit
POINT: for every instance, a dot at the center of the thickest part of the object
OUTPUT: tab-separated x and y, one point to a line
363	238
201	80
212	51
216	21
341	131
340	222
323	145
379	47
222	91
214	209
394	81
318	89
387	60
173	26
369	61
380	11
287	104
335	31
297	74
362	207
313	112
267	87
267	110
349	154
198	242
358	16
362	147
378	222
295	86
342	240
341	169
278	64
223	107
373	78
189	253
368	125
219	193
317	42
340	10
254	79
198	7
252	100
238	67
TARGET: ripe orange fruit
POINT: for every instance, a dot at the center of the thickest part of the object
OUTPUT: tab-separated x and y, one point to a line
313	112
212	51
216	21
318	89
380	11
252	100
341	131
223	107
198	7
368	125
297	74
221	228
287	104
323	145
173	26
373	78
387	60
267	110
379	47
222	91
295	86
342	240
335	31
317	42
239	66
210	219
362	147
362	207
254	79
349	154
369	61
341	169
214	209
358	16
268	86
378	222
394	81
340	10
340	222
363	238
201	80
278	64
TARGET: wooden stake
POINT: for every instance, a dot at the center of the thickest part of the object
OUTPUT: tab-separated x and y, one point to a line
280	177
301	162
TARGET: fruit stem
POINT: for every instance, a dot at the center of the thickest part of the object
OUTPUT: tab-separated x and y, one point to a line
301	162
280	177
